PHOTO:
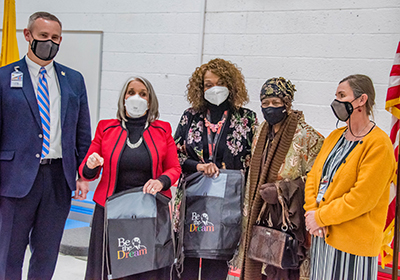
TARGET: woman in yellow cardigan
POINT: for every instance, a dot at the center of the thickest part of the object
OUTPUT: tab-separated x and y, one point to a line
347	189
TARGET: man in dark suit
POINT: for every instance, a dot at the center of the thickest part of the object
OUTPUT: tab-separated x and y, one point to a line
44	136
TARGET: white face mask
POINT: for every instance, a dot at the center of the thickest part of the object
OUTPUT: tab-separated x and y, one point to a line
135	106
216	95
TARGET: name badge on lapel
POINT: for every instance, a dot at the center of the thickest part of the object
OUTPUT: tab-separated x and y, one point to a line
16	78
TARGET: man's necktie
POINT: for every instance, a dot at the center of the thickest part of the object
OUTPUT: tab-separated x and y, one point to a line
44	109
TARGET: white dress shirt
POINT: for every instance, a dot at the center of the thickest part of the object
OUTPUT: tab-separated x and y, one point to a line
55	104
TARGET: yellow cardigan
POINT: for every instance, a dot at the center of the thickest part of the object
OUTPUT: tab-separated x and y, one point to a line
354	207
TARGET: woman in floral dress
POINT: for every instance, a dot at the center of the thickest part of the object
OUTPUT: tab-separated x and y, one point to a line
215	133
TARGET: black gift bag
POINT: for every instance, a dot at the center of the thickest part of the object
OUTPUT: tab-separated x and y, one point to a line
213	212
139	233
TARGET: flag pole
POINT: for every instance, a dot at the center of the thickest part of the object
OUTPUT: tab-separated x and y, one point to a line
395	263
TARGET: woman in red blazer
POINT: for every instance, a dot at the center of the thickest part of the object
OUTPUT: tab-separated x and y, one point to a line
133	150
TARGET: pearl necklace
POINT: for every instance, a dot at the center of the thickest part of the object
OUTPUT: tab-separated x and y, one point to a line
134	145
139	142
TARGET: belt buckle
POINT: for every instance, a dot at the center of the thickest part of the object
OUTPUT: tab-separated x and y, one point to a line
45	161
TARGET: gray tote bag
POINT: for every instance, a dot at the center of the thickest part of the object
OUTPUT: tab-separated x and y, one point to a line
138	233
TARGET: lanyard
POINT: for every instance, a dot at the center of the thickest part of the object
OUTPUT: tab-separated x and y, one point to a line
335	158
211	129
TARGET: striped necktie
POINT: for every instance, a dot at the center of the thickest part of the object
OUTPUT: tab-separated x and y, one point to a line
44	110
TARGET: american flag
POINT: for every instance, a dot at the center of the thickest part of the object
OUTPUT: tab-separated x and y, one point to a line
393	106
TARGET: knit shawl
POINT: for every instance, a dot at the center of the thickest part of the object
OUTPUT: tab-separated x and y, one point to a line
251	270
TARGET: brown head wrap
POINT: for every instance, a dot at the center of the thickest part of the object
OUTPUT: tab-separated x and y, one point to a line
277	87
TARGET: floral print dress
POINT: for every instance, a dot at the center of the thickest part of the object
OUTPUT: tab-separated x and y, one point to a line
233	149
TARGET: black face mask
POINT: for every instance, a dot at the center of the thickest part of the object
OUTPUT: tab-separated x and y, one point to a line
342	110
274	115
45	50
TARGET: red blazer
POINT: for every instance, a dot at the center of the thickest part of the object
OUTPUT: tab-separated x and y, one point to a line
109	141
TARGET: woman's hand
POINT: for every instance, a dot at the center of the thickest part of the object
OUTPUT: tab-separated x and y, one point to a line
320	232
209	169
312	226
152	186
94	160
269	193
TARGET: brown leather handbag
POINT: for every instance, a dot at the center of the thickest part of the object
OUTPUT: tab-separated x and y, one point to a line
271	246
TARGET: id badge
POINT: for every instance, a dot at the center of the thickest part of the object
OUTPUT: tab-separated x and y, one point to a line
17	78
322	189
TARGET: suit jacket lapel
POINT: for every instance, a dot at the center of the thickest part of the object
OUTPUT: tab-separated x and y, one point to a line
65	90
29	91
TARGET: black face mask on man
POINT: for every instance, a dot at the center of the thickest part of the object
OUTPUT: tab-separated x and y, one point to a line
274	115
44	50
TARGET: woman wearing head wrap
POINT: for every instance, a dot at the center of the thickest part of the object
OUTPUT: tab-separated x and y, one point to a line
283	151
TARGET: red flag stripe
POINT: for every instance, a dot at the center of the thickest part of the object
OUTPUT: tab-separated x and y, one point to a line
393	92
393	132
391	212
395	70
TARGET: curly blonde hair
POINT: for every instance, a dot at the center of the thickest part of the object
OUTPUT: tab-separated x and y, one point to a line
228	73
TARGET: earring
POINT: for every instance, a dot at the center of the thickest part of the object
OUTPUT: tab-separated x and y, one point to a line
359	110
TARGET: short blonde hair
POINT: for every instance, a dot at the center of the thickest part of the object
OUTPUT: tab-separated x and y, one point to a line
43	15
153	113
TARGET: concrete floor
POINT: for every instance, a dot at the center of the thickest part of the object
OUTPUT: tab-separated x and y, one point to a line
68	267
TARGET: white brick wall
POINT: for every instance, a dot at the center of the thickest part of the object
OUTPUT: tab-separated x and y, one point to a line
314	43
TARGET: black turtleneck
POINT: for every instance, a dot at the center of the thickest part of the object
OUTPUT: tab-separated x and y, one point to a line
135	166
216	112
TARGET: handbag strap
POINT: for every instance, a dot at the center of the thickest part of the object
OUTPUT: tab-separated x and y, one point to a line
286	223
173	236
179	252
261	214
105	259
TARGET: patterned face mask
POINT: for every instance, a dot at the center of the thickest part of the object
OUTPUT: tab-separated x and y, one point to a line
343	109
45	50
